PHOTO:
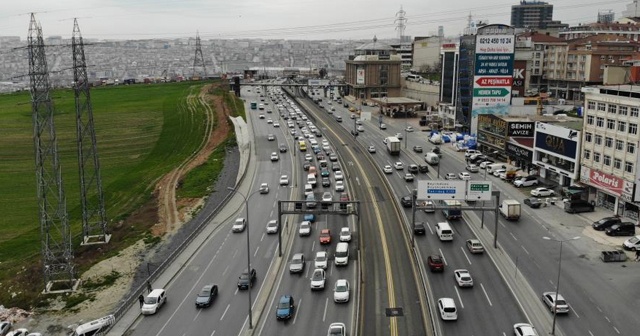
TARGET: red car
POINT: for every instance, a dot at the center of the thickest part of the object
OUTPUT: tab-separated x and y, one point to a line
325	236
436	264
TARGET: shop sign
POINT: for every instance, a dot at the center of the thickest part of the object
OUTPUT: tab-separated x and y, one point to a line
607	183
521	129
557	145
518	152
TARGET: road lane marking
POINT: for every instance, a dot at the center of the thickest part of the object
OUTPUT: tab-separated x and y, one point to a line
459	298
358	180
295	318
225	270
225	312
443	258
213	333
514	237
197	314
431	230
525	250
486	295
614	328
262	238
257	249
326	304
465	255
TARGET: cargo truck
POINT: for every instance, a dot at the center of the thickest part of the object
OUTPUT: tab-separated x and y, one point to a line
510	209
393	145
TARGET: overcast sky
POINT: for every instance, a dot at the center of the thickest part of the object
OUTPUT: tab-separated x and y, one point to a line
289	19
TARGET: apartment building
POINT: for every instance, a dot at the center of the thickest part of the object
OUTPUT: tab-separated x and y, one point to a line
625	27
533	48
609	164
534	14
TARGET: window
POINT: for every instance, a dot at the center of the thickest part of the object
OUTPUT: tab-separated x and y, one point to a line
633	128
590	120
619	145
602	107
600	122
596	157
591	105
622	126
631	148
588	137
598	140
607	160
613	108
634	112
622	110
628	167
587	154
608	142
537	63
611	124
617	163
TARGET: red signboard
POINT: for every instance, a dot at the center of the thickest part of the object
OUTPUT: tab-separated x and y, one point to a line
494	81
605	181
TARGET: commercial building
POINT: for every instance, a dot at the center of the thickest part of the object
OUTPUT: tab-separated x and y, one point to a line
534	15
373	71
609	163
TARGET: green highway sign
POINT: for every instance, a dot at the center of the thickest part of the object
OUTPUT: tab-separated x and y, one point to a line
479	187
479	190
490	92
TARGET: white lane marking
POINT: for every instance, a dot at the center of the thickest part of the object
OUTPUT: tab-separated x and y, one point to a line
443	258
614	328
606	318
358	181
487	295
459	298
297	310
525	250
514	237
197	314
590	333
262	238
225	312
431	230
213	333
326	303
465	255
573	311
225	270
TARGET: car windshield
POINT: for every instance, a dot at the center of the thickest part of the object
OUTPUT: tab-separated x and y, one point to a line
317	276
341	288
284	304
150	300
244	276
335	331
634	240
321	258
296	260
561	303
205	292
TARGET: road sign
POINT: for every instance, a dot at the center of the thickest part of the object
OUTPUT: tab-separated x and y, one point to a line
441	190
494	81
479	190
491	92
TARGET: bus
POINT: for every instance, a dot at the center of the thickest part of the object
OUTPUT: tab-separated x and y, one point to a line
254	105
451	213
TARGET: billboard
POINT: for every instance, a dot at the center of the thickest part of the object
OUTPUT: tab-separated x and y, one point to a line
360	76
606	182
558	141
514	151
523	129
519	75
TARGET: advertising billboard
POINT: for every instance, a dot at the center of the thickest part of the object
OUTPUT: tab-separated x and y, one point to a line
606	182
519	75
360	76
558	141
520	153
523	129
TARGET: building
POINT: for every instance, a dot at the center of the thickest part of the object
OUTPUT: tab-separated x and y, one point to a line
405	51
449	55
626	27
534	15
609	163
426	52
532	48
373	72
464	87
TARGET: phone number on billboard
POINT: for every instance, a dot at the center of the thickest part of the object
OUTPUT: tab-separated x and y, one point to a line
495	40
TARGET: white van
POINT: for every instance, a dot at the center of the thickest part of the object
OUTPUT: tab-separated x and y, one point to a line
311	179
97	327
495	166
444	232
342	254
308	188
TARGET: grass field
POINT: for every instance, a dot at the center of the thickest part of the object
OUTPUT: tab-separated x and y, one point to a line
143	131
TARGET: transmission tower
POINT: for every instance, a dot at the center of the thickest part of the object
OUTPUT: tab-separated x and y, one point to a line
55	234
199	59
94	217
401	23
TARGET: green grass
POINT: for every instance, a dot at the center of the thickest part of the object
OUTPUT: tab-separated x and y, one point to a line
143	131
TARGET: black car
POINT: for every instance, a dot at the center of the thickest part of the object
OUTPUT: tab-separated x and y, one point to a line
406	201
283	148
247	279
206	296
622	229
578	205
533	202
423	168
605	223
326	182
418	229
306	165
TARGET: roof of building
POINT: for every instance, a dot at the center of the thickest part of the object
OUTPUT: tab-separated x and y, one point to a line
375	45
540	38
606	38
396	100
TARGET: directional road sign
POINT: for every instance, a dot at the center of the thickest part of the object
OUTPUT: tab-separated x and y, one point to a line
490	92
494	81
479	190
441	190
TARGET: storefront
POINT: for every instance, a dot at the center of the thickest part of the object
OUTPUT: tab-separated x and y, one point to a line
521	155
610	192
556	152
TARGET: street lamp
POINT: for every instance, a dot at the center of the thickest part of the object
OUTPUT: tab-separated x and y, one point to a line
555	301
439	164
246	208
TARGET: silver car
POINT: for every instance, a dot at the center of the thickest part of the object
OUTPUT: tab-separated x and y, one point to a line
297	263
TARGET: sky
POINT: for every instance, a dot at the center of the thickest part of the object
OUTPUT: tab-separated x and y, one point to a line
272	19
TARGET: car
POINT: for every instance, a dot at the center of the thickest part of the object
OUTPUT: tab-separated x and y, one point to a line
463	278
542	192
153	302
339	186
526	181
239	225
360	128
337	329
399	136
474	246
5	326
405	201
338	175
341	291
524	329
464	176
327	197
484	164
297	263
345	234
387	169
272	226
276	124
308	157
436	263
472	168
447	309
264	188
408	177
470	152
533	202
450	176
385	141
413	168
352	109
247	279
305	229
318	279
398	165
326	182
339	119
578	206
499	172
429	206
555	303
372	149
269	121
19	332
261	116
284	180
632	244
311	218
206	296
283	148
321	260
325	236
271	137
605	223
285	307
274	157
333	157
409	128
419	229
324	172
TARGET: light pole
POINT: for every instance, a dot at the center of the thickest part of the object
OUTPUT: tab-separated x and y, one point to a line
246	208
439	164
555	300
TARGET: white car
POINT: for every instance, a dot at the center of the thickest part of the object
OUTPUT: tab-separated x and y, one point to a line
272	226
276	124
321	260
261	116
398	165
239	225
341	291
555	302
308	157
305	228
470	152
409	128
463	278
360	128
464	176
318	279
450	176
339	186
284	180
408	177
387	169
383	126
338	175
153	301
337	329
19	332
399	136
524	329
484	164
345	234
447	308
274	157
327	197
271	137
5	326
372	149
472	168
264	188
497	172
542	192
429	206
269	121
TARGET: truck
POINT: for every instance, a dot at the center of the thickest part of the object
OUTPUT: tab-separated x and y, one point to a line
393	145
454	211
510	209
432	158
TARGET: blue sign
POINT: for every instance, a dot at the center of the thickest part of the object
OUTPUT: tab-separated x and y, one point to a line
494	64
554	144
441	191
